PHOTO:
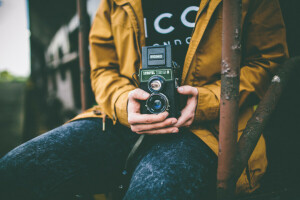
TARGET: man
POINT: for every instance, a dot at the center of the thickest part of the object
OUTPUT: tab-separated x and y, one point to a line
178	158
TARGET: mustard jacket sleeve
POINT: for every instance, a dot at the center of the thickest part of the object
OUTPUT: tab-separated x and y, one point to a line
264	48
109	86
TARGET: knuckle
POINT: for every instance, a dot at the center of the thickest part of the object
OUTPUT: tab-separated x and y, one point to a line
134	93
161	117
167	123
132	128
135	129
137	92
189	123
148	120
130	94
195	90
130	121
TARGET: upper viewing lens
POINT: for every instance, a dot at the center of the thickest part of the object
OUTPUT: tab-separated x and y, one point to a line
155	85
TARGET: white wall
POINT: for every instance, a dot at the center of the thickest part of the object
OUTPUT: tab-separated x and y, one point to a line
14	37
92	7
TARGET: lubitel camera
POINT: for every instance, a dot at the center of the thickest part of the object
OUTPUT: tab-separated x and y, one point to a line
159	76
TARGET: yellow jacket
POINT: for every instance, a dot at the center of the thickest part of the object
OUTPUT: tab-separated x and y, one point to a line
117	36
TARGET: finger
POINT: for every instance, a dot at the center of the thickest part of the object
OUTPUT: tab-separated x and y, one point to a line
145	127
133	97
186	115
191	104
183	119
160	131
188	112
187	90
138	94
187	123
137	118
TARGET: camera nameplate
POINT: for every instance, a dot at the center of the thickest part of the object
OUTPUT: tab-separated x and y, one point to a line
146	74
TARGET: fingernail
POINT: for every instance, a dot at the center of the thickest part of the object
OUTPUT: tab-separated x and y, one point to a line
180	89
174	131
174	121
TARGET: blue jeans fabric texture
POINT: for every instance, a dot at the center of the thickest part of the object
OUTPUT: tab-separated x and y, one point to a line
79	158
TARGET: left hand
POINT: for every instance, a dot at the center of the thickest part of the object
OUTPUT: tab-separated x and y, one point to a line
188	112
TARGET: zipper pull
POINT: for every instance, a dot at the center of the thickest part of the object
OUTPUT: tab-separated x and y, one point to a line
97	112
103	122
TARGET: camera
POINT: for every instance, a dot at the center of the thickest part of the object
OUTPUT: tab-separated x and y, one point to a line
159	76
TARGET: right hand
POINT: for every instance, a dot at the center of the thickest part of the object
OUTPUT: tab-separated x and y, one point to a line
147	123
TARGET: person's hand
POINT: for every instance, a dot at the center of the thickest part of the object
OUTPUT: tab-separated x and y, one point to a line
147	123
188	112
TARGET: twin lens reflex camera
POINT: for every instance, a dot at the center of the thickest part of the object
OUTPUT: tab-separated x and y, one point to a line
159	76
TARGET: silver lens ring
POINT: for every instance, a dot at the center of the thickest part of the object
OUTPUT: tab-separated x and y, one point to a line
157	103
156	83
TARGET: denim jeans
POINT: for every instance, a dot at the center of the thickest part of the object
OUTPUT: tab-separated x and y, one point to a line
80	158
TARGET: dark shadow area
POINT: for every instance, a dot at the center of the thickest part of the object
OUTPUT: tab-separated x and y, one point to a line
12	111
281	181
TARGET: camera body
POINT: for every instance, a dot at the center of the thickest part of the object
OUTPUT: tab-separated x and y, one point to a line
159	76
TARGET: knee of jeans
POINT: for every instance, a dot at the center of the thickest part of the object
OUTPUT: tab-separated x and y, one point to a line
173	182
165	176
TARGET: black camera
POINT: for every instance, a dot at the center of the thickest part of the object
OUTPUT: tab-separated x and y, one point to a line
159	76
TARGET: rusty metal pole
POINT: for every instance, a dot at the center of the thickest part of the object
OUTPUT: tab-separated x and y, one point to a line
261	116
229	103
83	50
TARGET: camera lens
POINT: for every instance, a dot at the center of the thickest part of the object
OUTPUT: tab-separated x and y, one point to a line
157	103
156	83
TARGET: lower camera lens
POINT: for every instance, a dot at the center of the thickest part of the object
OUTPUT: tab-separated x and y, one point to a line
157	103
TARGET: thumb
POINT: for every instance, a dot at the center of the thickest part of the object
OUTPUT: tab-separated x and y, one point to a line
138	94
187	90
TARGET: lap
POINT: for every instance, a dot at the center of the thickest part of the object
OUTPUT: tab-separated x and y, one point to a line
177	166
77	156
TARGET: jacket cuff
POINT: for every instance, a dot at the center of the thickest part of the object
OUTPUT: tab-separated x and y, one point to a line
208	105
121	109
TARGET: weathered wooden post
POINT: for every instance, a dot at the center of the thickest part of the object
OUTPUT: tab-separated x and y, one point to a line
83	51
229	103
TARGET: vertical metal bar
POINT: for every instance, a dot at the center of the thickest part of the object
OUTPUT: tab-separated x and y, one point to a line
229	103
83	49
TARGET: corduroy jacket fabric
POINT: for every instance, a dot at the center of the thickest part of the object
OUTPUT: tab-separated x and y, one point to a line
118	34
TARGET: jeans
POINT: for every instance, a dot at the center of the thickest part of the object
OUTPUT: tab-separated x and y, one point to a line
80	158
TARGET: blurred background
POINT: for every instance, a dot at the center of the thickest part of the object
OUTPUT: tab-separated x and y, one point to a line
40	77
39	66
